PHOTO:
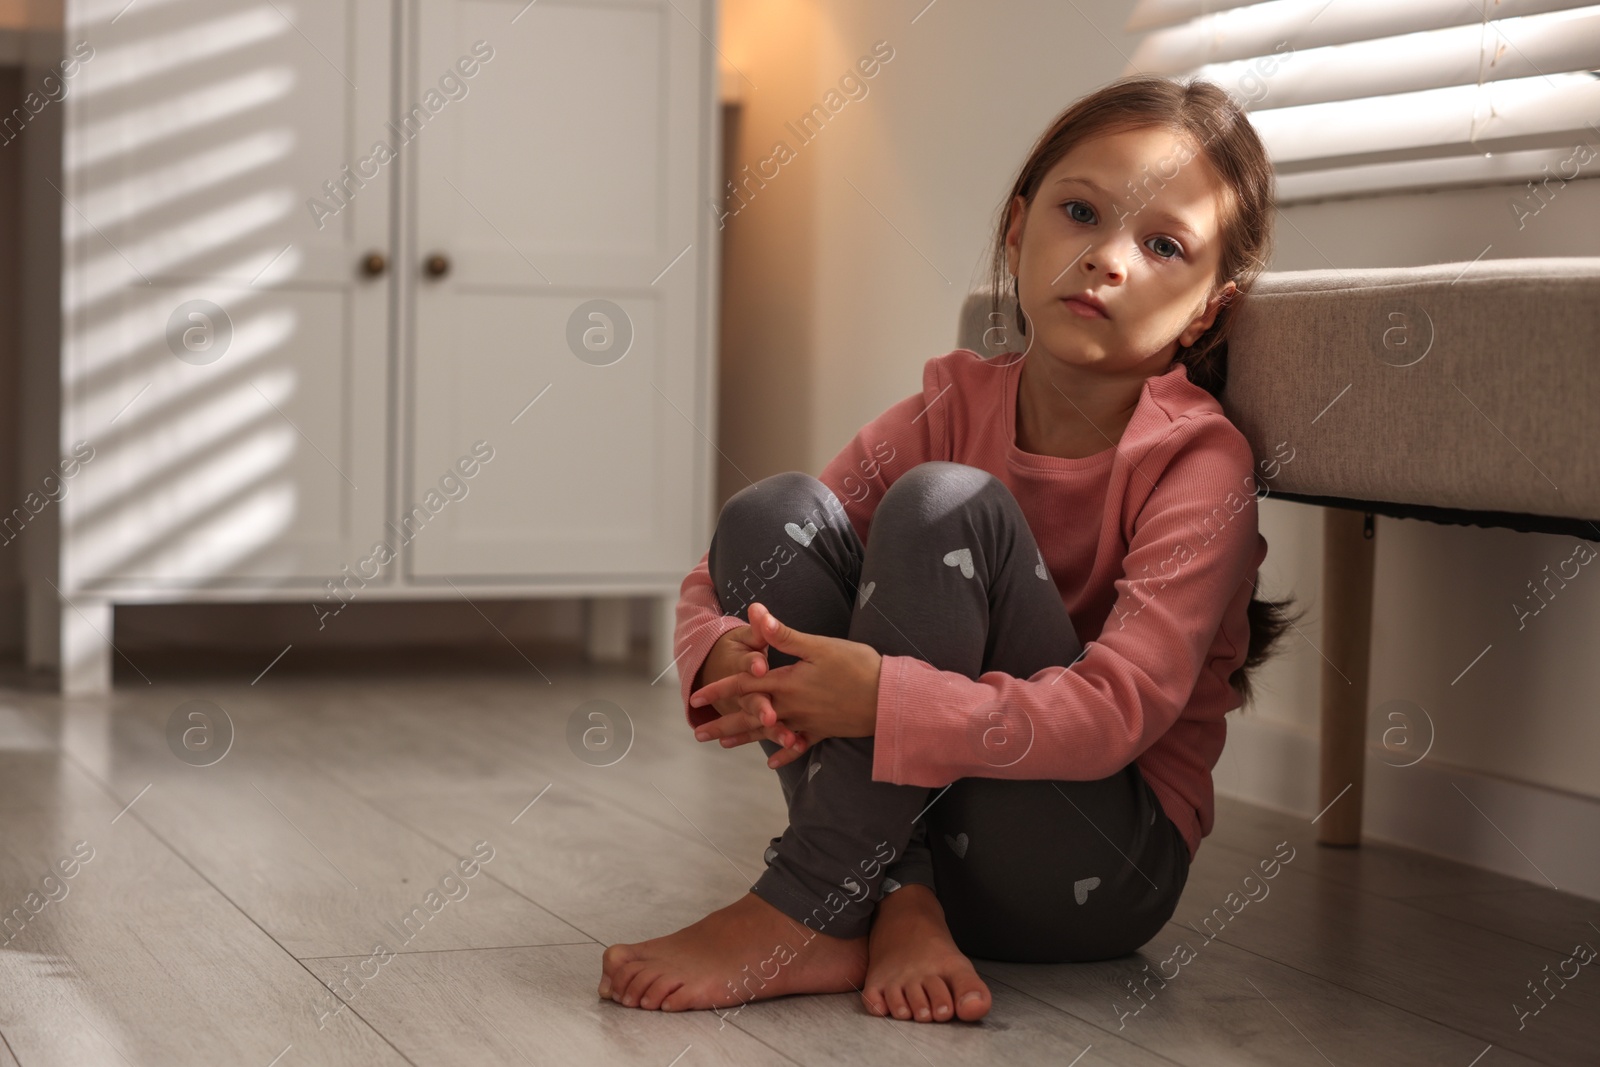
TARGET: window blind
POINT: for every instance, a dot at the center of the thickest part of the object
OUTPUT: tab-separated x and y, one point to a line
1357	96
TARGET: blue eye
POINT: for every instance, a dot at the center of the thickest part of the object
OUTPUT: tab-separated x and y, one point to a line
1068	206
1177	250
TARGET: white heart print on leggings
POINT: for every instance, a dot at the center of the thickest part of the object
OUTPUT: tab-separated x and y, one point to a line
803	536
961	557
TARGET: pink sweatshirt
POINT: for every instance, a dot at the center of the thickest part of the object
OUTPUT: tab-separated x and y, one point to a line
1153	545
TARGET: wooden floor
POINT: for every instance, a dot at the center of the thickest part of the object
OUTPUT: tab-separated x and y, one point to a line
217	900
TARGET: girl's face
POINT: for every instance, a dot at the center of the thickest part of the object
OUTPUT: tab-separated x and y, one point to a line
1131	218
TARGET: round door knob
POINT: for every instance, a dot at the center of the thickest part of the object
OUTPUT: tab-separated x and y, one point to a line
437	265
373	264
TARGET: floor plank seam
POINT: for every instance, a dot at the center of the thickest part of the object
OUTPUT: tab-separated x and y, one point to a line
1368	996
109	790
491	875
1078	1018
1402	898
1469	924
464	948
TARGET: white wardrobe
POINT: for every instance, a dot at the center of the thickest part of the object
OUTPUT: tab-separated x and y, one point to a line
330	275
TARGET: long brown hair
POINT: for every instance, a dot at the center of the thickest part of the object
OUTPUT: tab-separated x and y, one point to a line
1220	131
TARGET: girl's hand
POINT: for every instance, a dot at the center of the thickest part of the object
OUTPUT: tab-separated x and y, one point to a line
743	651
741	727
831	692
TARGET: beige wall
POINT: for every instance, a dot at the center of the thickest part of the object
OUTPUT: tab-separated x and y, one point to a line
769	292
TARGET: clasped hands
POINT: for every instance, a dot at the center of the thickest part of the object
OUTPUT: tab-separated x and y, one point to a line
831	692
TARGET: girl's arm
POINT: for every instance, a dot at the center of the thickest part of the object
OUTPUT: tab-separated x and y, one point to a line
1188	574
700	622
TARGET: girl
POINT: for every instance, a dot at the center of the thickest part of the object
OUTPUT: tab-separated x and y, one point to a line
905	634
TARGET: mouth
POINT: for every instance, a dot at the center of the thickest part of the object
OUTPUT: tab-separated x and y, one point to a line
1087	305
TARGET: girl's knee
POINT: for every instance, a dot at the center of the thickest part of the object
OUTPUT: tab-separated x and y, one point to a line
789	493
938	489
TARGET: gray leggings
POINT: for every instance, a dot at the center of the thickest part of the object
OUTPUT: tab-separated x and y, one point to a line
1028	871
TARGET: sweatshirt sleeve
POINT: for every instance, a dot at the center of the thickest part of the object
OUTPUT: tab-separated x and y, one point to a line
910	432
700	622
1193	544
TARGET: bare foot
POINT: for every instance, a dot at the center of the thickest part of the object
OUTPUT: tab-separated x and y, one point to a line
915	969
746	951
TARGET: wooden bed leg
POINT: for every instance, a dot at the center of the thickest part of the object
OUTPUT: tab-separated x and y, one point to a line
1347	563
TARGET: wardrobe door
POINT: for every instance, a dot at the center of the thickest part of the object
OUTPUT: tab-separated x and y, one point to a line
559	149
226	343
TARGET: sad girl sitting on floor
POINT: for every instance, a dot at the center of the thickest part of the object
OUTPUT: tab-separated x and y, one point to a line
989	650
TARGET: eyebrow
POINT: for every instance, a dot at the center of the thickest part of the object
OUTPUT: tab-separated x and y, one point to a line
1165	216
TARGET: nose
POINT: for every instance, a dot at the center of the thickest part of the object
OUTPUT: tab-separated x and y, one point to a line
1110	257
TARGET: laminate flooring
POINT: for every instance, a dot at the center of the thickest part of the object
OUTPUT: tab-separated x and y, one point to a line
209	907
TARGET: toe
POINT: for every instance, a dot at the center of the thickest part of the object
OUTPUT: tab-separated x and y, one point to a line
676	998
917	1001
872	997
611	960
895	996
939	998
971	997
656	994
615	956
624	982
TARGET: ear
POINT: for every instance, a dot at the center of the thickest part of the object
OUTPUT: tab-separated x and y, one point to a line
1192	332
1018	216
